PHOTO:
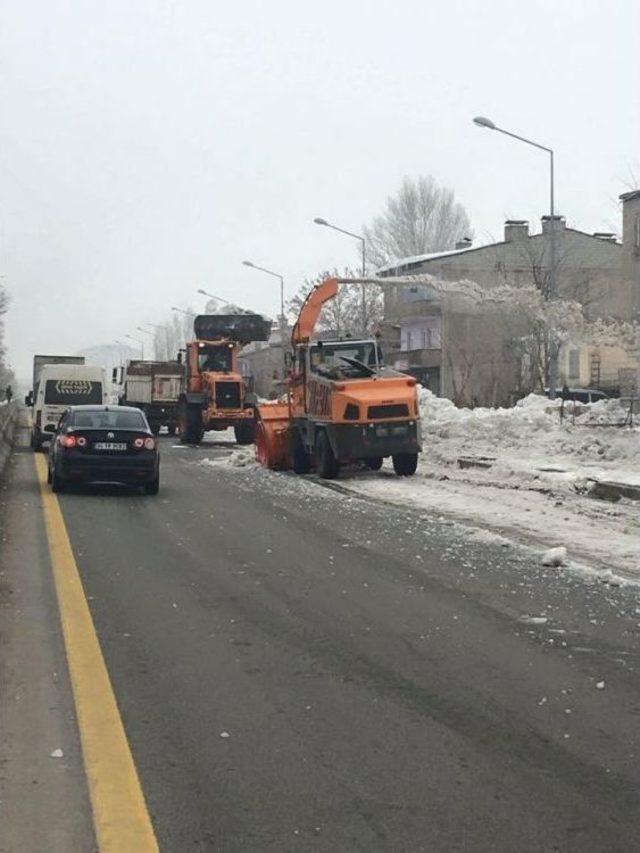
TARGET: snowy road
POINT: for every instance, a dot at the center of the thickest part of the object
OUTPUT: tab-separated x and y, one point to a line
383	681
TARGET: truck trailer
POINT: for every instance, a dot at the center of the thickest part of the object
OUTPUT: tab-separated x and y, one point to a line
154	387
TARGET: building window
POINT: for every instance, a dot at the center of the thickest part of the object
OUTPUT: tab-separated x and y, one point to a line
636	232
574	363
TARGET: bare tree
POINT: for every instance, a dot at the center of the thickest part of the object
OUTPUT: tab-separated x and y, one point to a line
421	217
342	314
6	376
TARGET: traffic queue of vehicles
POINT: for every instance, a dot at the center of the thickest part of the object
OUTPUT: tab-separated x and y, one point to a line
341	405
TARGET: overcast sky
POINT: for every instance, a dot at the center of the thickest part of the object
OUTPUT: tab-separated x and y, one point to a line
149	147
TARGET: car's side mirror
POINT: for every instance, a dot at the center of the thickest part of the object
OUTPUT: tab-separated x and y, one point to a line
28	400
114	375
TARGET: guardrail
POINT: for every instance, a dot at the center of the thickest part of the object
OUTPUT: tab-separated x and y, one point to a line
628	407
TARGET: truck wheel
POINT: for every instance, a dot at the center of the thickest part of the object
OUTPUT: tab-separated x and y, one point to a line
245	432
405	464
373	463
191	428
327	464
299	456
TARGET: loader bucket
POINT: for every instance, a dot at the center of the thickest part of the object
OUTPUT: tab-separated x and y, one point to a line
242	328
273	428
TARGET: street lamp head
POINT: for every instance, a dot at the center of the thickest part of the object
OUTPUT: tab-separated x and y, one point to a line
320	221
248	264
481	121
203	292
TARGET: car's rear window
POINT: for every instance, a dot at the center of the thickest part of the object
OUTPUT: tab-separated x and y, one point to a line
101	419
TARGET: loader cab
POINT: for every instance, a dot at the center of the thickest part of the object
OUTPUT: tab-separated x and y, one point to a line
215	358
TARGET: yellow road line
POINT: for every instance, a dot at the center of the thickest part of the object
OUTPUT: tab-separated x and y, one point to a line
120	815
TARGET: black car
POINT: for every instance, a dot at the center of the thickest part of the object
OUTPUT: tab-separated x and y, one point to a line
111	444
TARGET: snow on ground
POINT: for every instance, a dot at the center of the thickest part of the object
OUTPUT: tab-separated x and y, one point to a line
536	489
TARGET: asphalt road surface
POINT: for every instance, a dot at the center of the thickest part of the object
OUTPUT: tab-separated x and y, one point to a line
299	669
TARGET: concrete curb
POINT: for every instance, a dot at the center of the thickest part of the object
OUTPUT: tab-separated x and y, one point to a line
8	421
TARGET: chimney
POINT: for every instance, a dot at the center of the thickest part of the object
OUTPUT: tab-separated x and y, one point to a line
559	224
465	243
516	230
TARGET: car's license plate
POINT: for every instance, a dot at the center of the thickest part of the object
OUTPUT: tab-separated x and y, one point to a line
110	445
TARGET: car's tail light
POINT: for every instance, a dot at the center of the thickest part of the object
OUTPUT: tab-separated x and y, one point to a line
138	443
149	443
68	440
81	441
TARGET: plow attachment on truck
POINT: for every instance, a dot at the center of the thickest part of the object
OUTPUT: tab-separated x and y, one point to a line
342	404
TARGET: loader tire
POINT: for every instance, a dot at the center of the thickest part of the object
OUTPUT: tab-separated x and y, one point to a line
191	428
327	464
245	432
300	459
405	464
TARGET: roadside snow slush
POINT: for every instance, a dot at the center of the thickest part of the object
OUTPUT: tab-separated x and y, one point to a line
520	475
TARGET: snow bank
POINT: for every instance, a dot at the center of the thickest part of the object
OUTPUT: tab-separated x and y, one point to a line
531	429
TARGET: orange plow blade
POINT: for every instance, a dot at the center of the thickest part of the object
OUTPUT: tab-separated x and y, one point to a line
273	436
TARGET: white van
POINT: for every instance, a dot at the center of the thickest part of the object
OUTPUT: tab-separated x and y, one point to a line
61	386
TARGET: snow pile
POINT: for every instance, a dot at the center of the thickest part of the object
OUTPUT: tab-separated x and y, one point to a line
531	429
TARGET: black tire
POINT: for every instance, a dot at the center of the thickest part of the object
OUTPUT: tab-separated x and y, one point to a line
245	432
58	485
405	464
49	478
36	441
301	460
326	462
374	463
153	487
191	428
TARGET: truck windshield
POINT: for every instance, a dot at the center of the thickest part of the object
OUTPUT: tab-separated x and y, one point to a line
217	359
338	359
72	392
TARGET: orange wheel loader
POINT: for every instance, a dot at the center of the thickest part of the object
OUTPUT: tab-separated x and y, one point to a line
342	404
214	394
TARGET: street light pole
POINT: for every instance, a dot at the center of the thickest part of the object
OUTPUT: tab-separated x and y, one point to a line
213	296
275	275
138	341
182	311
481	121
147	332
166	335
320	221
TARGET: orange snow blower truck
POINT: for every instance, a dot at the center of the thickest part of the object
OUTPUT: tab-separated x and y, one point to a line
214	393
342	405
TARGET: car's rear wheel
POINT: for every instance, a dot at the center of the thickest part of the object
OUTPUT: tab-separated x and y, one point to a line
49	473
405	464
58	485
327	464
152	487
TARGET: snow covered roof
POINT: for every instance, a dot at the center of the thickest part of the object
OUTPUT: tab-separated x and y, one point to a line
418	259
